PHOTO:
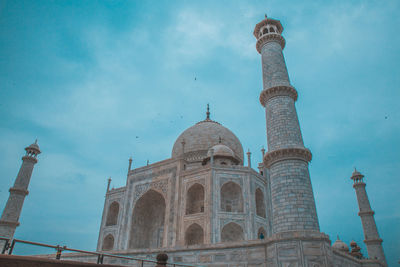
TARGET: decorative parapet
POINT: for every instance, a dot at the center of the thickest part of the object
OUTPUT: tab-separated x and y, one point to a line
281	90
287	153
270	37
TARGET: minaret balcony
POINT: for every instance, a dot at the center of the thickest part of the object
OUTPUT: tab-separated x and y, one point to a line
269	37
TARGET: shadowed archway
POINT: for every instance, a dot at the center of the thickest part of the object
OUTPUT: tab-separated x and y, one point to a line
261	234
194	235
112	214
148	221
231	197
108	242
232	232
195	199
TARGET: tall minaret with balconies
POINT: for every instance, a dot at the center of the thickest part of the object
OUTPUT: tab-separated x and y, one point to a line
372	239
292	198
12	211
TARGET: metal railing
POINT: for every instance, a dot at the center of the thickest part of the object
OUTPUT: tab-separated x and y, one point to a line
9	246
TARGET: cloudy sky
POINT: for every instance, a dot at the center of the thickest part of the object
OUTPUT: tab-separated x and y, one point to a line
99	81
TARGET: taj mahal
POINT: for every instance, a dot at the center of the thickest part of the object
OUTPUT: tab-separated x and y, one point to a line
203	207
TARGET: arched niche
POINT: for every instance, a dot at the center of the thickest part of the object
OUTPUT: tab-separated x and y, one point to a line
148	221
195	199
108	242
261	234
231	197
194	235
232	232
112	214
260	203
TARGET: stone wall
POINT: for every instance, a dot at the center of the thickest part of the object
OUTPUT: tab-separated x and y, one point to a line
291	249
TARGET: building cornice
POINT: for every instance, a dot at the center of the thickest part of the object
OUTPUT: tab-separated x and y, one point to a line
270	37
298	153
281	90
364	213
373	241
9	223
18	191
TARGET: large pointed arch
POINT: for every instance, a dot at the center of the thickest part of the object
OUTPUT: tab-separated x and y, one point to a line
148	221
231	197
194	235
195	199
232	232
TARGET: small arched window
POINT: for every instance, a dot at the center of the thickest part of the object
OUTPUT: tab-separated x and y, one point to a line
261	233
108	242
232	232
194	235
195	199
265	31
112	214
271	29
231	197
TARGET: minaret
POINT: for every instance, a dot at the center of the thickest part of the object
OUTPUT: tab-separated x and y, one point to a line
292	199
372	239
12	211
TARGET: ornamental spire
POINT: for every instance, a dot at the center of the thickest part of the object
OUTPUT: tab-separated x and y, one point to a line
208	112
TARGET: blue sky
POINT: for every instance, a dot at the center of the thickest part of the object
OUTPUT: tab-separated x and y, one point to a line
99	81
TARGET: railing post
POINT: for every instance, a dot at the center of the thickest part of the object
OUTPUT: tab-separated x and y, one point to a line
6	246
59	251
10	251
100	259
162	260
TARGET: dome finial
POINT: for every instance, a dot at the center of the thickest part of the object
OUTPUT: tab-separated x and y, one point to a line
208	112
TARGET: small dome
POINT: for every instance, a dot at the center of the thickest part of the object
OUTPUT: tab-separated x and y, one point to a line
221	150
34	147
356	173
340	245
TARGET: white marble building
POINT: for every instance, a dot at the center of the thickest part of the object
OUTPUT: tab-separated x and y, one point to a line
202	206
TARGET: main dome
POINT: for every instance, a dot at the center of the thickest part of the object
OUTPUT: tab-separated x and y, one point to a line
194	143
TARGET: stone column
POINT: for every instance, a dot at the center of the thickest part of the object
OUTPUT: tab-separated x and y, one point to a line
12	211
292	199
372	239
